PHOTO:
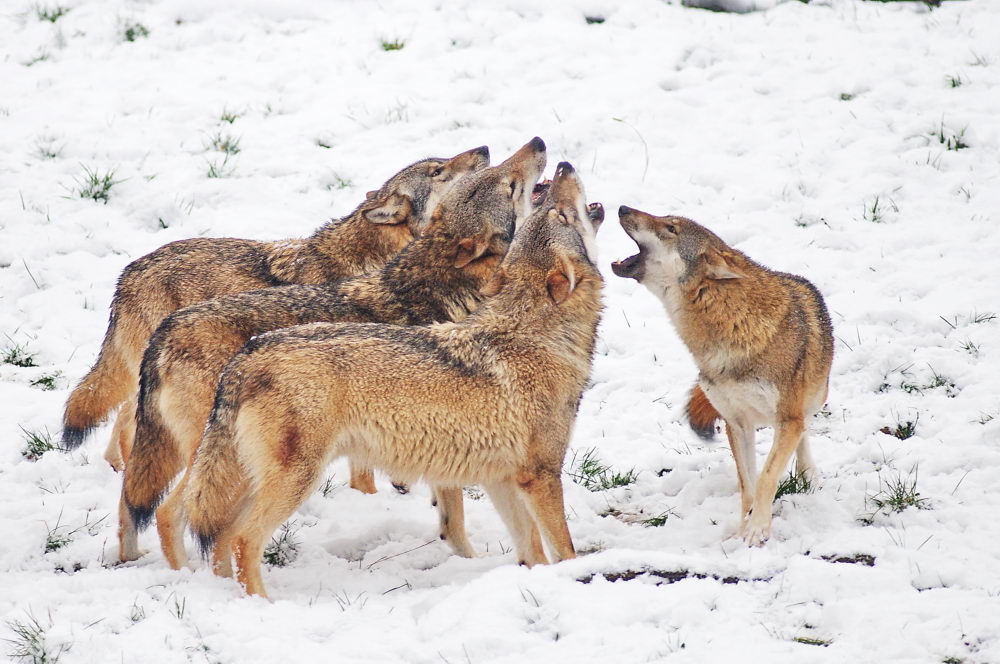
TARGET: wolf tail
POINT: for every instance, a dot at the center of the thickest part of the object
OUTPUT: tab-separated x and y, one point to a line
105	387
218	485
701	413
156	457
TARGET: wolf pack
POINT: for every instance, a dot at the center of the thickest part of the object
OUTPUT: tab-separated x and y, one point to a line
442	332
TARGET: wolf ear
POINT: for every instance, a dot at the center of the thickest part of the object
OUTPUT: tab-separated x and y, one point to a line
395	209
719	266
371	194
562	279
469	249
495	283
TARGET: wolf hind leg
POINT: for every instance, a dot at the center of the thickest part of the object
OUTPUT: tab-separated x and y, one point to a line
544	497
510	505
171	520
804	463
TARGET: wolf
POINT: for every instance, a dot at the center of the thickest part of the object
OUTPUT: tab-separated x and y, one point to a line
436	278
189	271
762	340
490	400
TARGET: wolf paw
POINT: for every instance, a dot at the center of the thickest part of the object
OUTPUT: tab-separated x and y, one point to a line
755	533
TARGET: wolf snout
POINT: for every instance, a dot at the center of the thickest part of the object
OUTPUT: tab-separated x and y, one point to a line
537	144
624	211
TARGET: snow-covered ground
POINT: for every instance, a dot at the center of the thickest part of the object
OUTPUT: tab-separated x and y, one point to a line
815	137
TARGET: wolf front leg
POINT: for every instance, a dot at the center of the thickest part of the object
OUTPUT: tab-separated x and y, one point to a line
790	429
451	517
362	479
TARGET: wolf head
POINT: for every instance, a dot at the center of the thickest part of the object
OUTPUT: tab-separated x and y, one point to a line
483	209
412	194
674	250
555	249
540	195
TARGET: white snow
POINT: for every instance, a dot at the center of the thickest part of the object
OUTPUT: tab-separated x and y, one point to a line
778	129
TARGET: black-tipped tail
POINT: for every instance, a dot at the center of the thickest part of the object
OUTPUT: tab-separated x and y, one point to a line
73	437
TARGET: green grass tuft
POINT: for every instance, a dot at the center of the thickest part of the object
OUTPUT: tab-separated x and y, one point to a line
220	169
50	13
283	548
46	382
793	483
949	138
37	443
896	495
226	143
810	641
28	642
134	31
95	185
589	472
18	355
393	45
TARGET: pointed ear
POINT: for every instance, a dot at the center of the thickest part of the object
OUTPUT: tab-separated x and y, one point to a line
719	266
469	249
495	283
394	209
561	280
371	194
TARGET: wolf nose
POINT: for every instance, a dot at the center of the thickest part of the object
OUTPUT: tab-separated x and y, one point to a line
482	151
624	210
537	144
564	168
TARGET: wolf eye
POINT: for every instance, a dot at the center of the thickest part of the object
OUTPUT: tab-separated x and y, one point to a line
437	171
671	229
513	188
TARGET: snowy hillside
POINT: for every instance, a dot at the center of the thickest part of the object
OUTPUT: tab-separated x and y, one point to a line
855	143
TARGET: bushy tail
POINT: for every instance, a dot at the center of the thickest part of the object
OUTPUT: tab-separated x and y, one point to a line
218	486
104	388
701	413
155	458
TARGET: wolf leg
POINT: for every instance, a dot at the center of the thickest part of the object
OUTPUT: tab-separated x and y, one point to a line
790	429
122	435
544	493
746	462
362	479
451	516
170	523
804	464
510	506
128	538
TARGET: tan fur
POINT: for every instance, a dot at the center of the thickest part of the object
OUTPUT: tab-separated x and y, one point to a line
436	278
762	341
189	271
490	400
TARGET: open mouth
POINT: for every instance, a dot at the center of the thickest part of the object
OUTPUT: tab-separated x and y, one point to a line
539	192
629	268
596	213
